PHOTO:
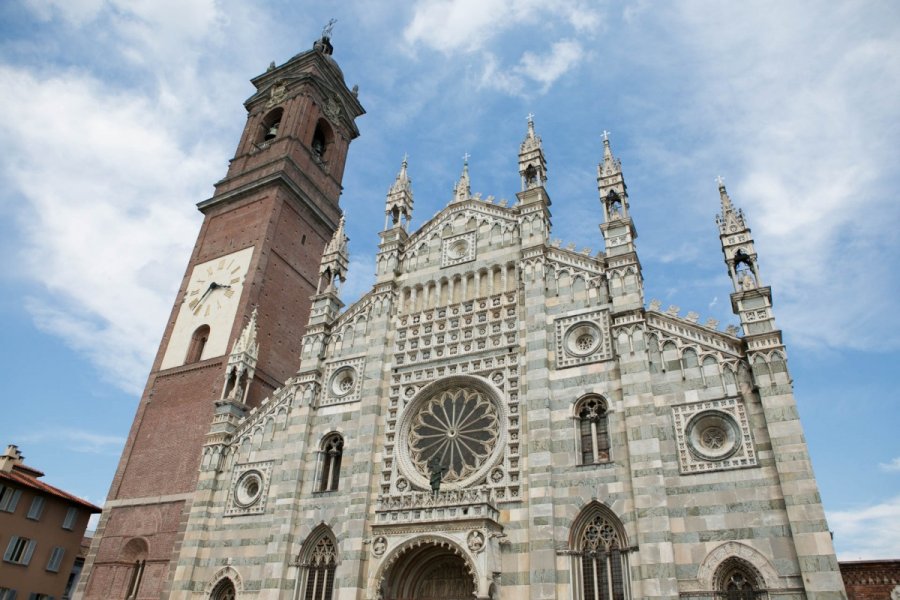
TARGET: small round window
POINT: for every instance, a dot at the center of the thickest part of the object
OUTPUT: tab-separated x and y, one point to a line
458	249
582	339
249	489
342	381
713	435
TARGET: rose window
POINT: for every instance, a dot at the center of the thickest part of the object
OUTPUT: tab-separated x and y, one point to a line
582	339
585	342
458	427
343	381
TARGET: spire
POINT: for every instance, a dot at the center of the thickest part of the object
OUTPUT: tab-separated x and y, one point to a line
335	261
619	234
242	363
399	204
247	343
751	300
462	190
611	183
339	240
730	219
611	165
532	164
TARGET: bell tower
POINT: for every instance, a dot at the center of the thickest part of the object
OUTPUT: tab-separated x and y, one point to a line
256	261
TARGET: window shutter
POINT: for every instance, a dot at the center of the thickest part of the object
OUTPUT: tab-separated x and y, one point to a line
69	523
56	559
15	501
37	507
9	549
29	550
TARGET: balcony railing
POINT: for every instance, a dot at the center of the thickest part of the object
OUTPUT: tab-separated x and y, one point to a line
446	505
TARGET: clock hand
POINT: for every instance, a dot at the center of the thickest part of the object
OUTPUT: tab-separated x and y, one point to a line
203	297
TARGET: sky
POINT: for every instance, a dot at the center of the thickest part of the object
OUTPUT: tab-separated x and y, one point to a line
117	116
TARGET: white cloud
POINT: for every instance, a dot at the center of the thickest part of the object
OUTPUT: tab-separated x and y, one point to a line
469	25
77	440
542	69
869	532
892	466
92	205
547	68
812	150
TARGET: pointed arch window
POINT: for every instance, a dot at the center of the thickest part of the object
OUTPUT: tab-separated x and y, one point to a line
593	430
319	564
601	559
330	463
224	590
198	343
738	580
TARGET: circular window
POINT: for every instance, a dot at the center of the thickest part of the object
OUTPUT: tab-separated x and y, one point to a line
455	425
713	435
458	249
342	381
582	339
249	489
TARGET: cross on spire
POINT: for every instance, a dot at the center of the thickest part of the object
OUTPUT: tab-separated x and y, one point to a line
466	157
720	180
530	117
606	135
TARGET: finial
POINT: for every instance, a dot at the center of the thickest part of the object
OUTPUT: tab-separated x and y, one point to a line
721	181
405	160
326	31
606	137
466	158
530	118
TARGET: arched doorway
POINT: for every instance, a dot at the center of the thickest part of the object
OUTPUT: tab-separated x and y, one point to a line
429	571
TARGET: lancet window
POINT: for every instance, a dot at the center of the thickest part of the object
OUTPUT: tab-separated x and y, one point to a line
319	564
224	590
593	430
601	559
330	463
736	580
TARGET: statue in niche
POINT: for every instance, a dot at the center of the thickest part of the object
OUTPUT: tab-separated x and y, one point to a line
436	471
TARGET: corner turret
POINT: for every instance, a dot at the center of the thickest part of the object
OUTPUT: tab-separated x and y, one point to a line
751	300
626	281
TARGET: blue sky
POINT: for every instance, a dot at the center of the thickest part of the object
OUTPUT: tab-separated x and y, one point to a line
118	116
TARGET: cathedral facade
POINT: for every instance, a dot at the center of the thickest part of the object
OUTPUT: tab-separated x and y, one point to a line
498	417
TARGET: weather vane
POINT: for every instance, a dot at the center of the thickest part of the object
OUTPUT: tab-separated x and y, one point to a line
326	31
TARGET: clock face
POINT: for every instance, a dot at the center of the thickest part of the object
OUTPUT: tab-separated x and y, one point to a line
211	300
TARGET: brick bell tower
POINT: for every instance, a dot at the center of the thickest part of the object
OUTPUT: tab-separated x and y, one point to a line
263	234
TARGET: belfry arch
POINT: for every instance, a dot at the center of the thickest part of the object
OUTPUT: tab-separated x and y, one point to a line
427	568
